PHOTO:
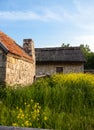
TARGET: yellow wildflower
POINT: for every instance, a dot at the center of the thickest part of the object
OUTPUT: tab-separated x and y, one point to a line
32	101
20	110
45	118
17	107
25	103
27	123
28	105
14	124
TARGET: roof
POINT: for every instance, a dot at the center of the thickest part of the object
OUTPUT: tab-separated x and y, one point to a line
59	54
9	45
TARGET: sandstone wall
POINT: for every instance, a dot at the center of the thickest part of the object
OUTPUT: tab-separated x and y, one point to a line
19	71
2	66
51	69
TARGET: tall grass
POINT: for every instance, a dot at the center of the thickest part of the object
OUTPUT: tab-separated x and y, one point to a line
66	101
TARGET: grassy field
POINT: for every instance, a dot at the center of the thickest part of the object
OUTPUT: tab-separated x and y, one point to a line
61	102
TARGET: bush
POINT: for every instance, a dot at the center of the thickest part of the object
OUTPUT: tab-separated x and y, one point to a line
58	102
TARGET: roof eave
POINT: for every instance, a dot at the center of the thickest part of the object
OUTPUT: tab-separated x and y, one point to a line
40	62
4	47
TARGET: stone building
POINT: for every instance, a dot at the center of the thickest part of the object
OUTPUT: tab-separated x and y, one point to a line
59	60
16	66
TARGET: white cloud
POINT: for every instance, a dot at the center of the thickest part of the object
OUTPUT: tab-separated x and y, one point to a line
83	16
18	15
46	15
51	15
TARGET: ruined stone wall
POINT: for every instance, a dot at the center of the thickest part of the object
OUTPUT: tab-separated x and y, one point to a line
51	68
19	71
2	66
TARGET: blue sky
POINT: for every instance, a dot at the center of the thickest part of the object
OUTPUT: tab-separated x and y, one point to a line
49	22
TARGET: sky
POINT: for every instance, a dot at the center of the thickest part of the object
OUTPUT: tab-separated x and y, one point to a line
49	22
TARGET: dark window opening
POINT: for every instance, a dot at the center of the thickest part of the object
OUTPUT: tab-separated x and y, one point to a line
59	69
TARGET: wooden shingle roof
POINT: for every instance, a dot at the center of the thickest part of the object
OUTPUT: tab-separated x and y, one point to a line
59	54
9	45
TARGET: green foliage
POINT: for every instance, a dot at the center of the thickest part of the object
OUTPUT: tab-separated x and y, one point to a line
65	45
90	61
58	102
85	49
89	56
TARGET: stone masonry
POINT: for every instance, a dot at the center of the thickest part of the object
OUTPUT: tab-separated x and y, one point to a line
19	71
51	68
2	66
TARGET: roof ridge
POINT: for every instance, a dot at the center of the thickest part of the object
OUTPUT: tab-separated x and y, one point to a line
61	48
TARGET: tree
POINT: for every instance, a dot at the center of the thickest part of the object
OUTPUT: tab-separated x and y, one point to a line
65	45
88	55
85	48
90	61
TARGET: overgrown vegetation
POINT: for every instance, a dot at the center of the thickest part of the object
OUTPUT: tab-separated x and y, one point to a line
61	102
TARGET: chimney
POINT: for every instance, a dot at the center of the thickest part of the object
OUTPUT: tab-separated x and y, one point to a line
28	46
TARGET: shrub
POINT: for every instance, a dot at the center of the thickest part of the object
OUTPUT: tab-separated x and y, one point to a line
58	102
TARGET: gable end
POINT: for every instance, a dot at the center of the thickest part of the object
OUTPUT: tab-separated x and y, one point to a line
4	47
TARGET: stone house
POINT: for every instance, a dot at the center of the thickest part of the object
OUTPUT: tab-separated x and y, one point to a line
16	66
59	60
